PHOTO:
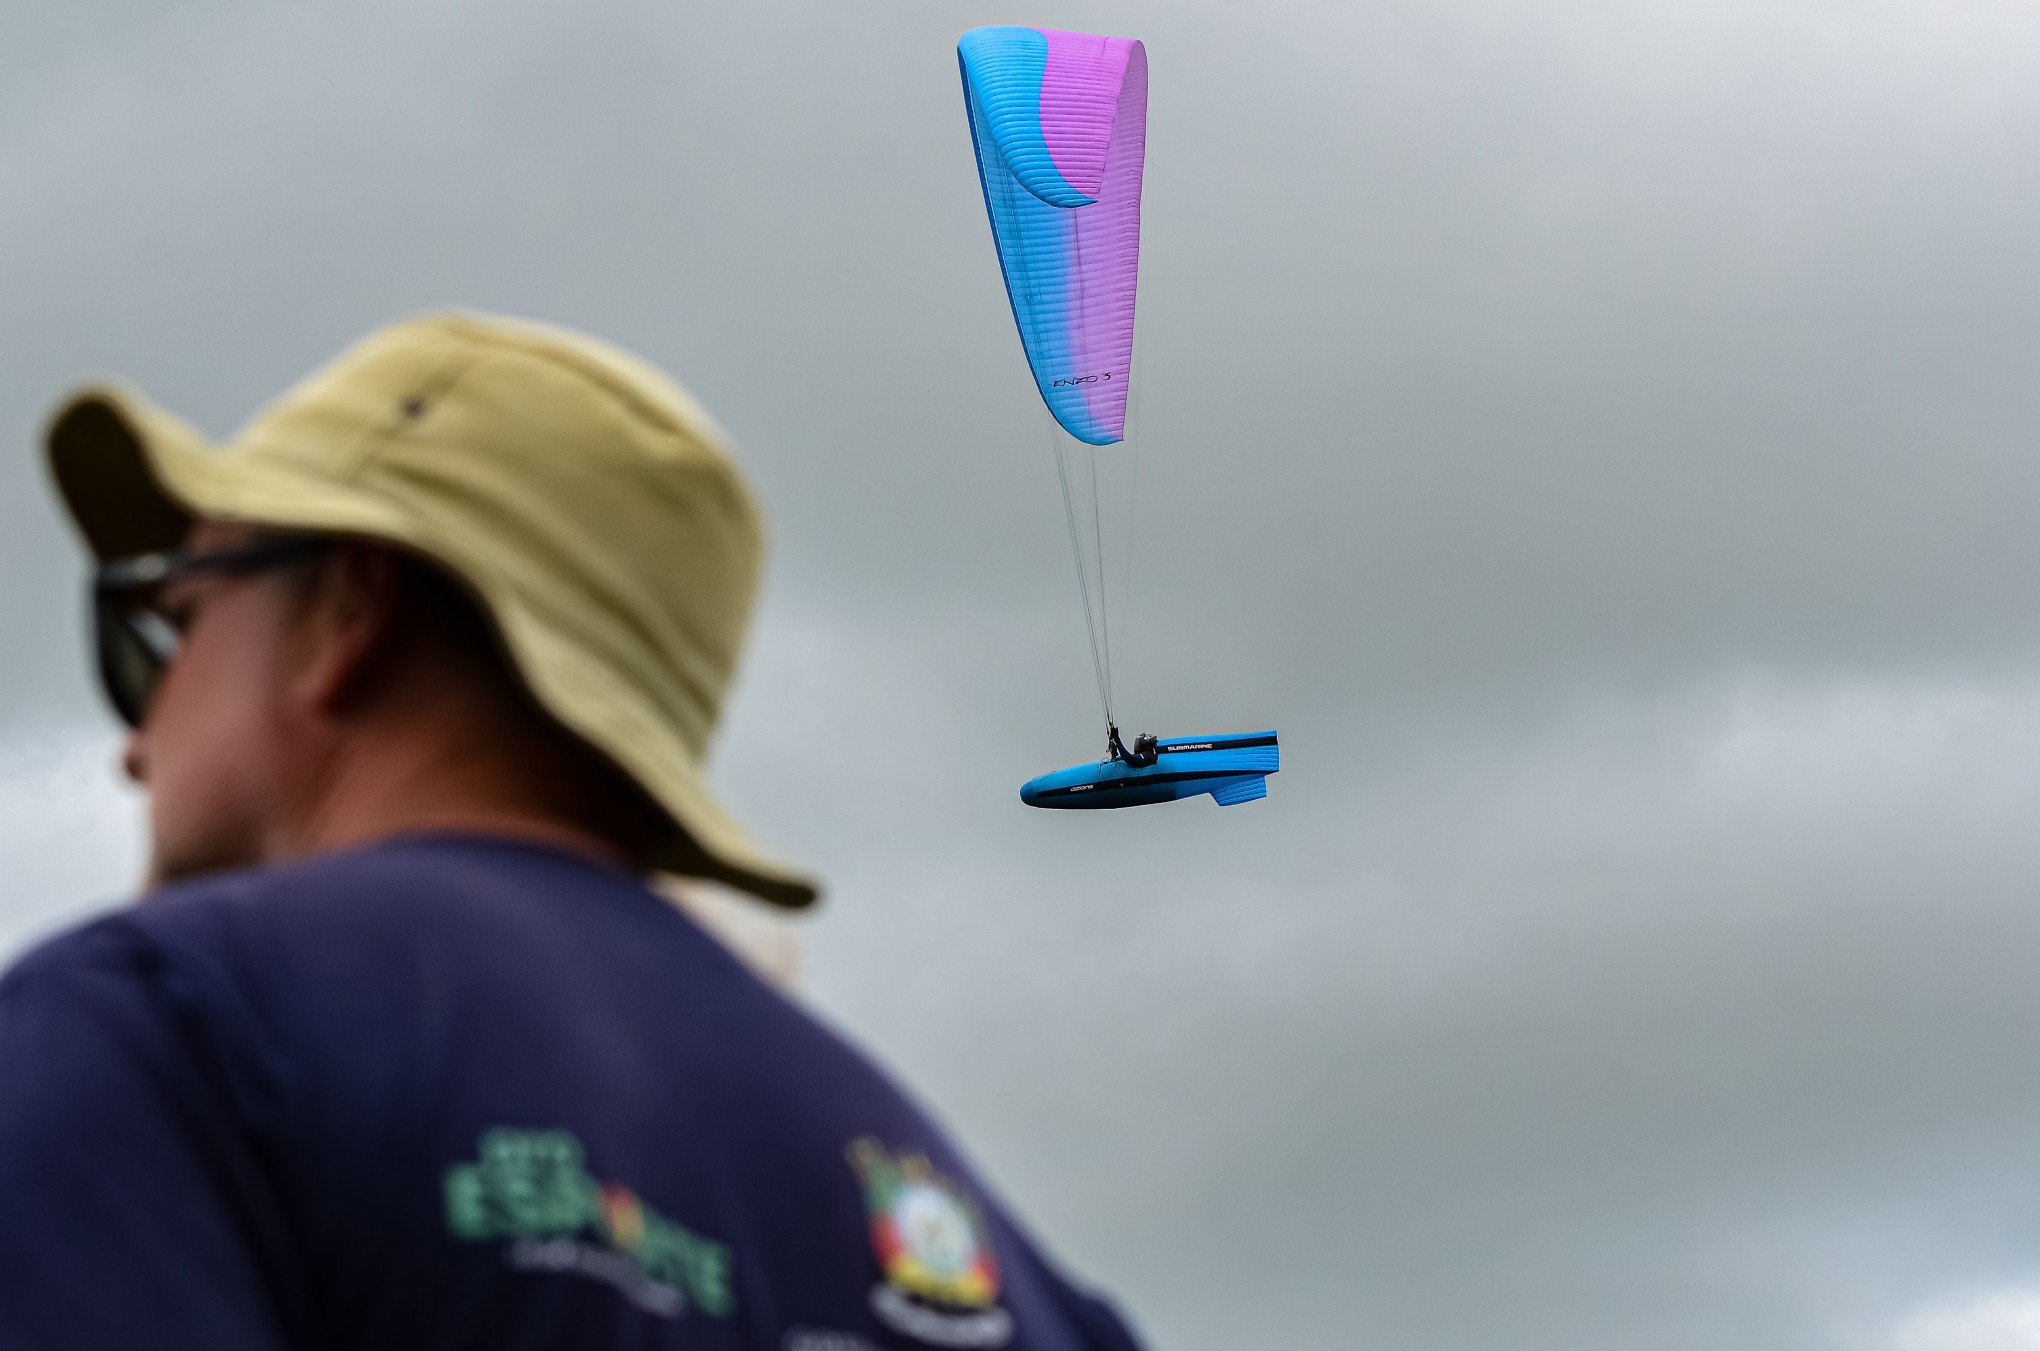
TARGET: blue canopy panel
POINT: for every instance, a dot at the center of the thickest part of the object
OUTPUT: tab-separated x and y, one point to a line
1233	769
1058	121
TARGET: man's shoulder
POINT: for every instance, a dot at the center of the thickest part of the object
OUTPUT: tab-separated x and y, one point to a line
375	893
92	944
211	913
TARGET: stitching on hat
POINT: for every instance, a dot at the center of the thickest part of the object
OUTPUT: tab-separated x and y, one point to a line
555	351
698	429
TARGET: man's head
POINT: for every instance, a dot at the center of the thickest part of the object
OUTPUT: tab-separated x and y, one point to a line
328	690
543	560
205	749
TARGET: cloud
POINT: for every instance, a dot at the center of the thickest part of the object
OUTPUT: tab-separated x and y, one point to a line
69	837
2001	1321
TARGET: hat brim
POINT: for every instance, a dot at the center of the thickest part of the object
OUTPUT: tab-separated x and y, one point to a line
134	478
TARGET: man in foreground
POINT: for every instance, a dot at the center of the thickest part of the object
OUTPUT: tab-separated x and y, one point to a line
400	1050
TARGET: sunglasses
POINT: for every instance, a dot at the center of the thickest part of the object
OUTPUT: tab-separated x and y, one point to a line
134	640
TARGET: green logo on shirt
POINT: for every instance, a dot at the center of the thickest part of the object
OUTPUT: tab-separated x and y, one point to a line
532	1187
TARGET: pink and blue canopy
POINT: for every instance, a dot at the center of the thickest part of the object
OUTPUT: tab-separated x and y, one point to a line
1059	121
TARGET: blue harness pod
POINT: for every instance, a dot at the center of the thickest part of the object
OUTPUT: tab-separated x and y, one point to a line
1233	769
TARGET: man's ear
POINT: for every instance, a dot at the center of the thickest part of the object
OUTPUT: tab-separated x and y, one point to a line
348	625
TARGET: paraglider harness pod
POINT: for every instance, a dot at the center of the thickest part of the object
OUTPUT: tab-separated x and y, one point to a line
1232	767
1141	756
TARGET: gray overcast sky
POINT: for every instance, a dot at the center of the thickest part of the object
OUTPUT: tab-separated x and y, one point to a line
1614	429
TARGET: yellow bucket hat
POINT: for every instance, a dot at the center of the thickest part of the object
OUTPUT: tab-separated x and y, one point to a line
588	502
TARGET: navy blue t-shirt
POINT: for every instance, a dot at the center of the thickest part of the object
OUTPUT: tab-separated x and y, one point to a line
457	1092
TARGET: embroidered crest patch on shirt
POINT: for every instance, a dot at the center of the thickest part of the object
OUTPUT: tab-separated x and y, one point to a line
941	1279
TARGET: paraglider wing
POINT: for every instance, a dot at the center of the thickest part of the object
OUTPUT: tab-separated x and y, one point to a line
1059	122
